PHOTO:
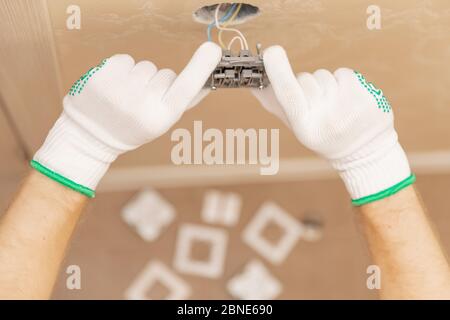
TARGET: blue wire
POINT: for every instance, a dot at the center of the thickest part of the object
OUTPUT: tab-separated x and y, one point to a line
223	19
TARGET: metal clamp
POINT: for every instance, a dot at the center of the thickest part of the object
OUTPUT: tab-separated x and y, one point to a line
239	71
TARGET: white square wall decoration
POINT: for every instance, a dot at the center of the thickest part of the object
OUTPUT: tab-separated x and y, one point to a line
217	240
221	208
254	283
149	214
153	273
269	213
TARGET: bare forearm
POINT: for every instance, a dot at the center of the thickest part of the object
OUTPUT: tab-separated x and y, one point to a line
404	245
34	234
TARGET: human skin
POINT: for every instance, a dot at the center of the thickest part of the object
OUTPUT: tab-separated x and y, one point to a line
405	246
34	234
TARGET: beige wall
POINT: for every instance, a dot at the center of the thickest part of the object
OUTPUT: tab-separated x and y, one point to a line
408	57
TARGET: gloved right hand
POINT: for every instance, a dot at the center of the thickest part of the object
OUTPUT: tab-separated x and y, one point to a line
116	107
343	118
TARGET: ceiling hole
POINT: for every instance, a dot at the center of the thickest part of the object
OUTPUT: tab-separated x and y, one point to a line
205	14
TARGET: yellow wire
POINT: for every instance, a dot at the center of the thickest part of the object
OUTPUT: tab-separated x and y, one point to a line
235	13
233	16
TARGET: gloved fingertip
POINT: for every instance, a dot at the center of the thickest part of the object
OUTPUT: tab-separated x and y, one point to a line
340	72
274	53
209	50
121	58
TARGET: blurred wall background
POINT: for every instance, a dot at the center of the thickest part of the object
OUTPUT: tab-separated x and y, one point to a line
408	57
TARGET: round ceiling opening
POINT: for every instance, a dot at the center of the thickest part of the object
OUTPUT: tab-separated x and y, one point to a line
244	13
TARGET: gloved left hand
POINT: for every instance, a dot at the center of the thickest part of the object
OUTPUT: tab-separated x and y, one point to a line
115	107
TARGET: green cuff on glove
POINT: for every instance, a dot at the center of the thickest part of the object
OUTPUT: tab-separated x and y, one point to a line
385	193
62	180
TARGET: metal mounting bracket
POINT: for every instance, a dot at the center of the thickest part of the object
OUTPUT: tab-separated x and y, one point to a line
243	70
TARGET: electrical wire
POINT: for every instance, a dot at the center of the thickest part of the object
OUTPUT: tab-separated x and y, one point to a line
226	23
224	18
216	16
234	39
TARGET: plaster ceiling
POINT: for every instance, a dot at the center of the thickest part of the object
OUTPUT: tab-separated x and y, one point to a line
408	57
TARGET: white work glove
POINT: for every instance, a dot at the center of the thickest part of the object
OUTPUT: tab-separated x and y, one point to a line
344	119
116	107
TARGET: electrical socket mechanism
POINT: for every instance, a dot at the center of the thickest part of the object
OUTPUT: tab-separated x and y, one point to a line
242	70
